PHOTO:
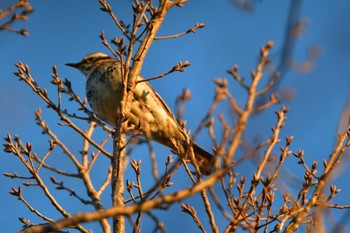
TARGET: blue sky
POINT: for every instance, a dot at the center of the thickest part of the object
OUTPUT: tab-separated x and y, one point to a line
65	31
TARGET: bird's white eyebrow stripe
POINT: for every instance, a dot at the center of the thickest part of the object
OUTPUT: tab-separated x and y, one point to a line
104	58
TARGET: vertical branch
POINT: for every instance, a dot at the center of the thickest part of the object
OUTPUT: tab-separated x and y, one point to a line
129	76
118	168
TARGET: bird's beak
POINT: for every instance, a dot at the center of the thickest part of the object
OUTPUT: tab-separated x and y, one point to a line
75	65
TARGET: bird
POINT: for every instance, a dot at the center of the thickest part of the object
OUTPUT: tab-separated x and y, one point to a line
104	90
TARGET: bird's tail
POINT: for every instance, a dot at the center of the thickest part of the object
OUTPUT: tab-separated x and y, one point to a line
204	159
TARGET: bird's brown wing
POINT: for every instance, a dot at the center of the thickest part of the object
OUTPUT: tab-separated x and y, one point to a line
165	106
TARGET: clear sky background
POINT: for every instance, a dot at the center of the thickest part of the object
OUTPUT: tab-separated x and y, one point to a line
65	31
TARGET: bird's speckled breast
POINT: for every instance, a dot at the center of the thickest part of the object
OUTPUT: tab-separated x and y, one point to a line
103	91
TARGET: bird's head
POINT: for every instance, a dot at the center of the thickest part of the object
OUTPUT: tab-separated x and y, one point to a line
89	62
